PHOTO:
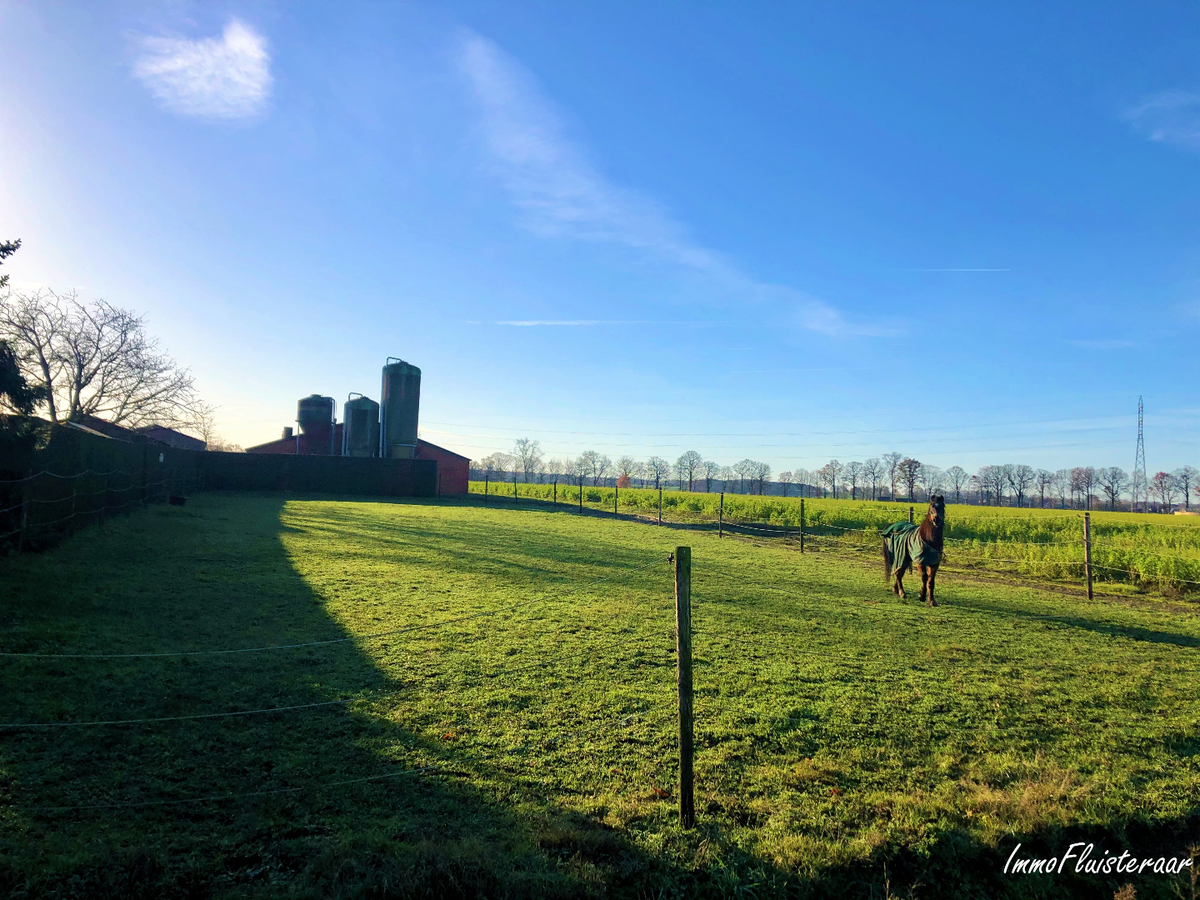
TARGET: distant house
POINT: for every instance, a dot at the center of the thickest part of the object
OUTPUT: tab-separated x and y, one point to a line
453	468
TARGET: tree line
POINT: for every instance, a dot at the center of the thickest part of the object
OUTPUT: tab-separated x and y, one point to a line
890	476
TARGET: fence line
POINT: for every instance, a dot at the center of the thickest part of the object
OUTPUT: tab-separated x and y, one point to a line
219	798
374	636
344	701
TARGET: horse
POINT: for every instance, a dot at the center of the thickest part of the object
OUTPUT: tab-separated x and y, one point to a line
905	544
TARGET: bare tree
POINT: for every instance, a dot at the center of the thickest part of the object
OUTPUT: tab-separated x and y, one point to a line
1020	479
1112	481
96	359
745	472
909	471
891	462
957	477
993	480
626	465
853	472
494	464
785	481
639	472
762	474
687	466
1163	484
658	469
1062	484
1044	480
1185	477
529	454
933	480
711	470
872	472
727	475
1082	480
834	471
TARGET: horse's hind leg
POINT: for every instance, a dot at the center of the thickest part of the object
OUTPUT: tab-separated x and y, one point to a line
898	588
924	582
932	579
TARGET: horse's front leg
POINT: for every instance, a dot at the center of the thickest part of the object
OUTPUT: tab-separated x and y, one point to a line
898	588
932	579
924	582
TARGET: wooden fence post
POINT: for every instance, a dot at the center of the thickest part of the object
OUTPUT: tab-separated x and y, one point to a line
801	524
616	494
910	516
1087	551
486	478
721	517
683	652
581	494
74	494
514	489
660	504
556	490
25	490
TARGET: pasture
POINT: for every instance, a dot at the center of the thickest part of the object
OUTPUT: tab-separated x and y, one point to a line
483	705
1143	552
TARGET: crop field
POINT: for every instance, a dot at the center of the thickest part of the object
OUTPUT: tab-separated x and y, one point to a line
1159	553
452	699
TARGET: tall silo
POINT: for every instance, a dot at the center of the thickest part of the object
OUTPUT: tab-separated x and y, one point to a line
315	417
399	404
360	426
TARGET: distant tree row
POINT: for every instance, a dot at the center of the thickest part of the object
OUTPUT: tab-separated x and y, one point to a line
891	476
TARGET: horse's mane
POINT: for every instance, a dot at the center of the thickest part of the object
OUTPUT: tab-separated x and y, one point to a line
931	534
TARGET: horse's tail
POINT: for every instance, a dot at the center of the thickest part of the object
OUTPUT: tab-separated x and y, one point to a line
887	561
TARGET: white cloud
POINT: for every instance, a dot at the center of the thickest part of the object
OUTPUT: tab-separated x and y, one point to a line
561	193
226	77
1171	117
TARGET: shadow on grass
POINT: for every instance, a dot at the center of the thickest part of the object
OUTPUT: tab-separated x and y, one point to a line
219	576
178	579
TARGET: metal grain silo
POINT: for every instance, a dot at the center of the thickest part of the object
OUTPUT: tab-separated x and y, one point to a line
360	426
314	414
399	404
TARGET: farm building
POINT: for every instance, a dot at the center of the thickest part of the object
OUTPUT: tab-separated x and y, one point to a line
386	430
155	434
452	468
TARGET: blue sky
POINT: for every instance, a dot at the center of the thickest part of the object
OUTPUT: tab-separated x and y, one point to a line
968	233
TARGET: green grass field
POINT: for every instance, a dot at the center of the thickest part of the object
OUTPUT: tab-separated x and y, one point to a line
518	739
1159	553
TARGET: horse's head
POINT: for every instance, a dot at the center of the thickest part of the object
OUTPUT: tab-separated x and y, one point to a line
937	510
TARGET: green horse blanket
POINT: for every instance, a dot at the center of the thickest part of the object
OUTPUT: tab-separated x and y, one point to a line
906	547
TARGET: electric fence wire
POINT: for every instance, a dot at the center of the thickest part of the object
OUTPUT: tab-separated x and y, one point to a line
470	681
219	798
342	640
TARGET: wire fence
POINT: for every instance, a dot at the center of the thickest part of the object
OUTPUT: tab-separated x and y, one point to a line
41	508
1114	553
604	651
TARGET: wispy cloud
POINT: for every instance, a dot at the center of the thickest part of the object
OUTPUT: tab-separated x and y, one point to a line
960	270
1170	117
534	323
226	77
562	193
1103	344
